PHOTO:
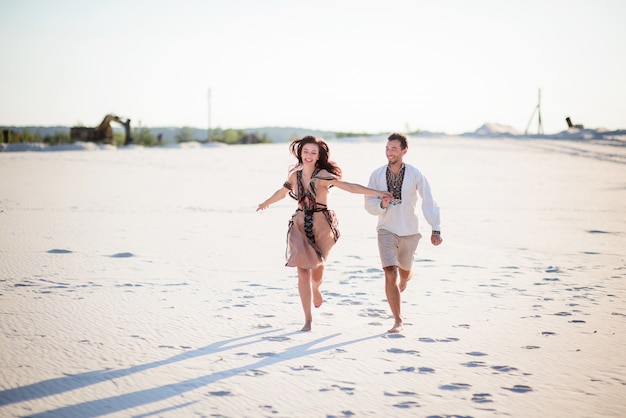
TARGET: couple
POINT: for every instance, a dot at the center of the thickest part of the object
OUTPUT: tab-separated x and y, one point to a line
391	195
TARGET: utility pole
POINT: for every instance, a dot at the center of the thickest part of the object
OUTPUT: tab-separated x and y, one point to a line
539	124
209	133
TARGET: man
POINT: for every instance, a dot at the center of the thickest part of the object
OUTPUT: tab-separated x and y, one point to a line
398	229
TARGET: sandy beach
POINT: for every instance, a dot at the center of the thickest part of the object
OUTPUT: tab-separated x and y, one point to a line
142	283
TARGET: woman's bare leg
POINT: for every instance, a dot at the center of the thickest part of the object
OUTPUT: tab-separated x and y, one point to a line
317	277
304	289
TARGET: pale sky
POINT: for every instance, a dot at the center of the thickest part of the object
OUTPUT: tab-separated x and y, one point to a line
360	66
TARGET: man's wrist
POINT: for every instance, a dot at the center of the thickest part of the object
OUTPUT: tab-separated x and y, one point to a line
436	232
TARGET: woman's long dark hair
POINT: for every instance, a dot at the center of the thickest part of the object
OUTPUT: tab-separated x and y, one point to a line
324	161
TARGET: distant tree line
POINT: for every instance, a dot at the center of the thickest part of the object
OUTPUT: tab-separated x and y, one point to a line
141	136
367	134
26	136
351	134
225	136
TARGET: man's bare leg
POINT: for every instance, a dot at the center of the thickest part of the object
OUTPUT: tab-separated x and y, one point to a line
393	297
317	277
304	289
405	276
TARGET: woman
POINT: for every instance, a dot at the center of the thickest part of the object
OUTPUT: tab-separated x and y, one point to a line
312	230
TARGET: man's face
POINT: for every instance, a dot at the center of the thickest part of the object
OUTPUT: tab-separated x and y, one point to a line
394	151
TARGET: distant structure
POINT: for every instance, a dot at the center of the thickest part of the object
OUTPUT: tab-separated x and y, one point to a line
538	111
571	125
209	131
102	132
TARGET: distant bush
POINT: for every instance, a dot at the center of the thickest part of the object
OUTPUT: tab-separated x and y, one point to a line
58	138
185	134
237	136
142	136
351	134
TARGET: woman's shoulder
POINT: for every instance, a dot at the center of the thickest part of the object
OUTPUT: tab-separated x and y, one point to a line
293	171
324	174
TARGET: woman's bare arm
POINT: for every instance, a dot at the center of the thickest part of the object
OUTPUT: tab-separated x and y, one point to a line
277	196
357	188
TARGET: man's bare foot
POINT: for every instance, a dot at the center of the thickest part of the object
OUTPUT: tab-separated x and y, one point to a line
403	282
397	327
307	326
317	295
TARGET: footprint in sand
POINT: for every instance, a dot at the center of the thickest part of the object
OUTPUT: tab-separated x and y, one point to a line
395	335
122	255
407	405
254	373
455	386
481	398
441	340
269	409
305	368
401	351
345	389
276	338
221	393
374	313
26	283
402	369
504	369
400	393
519	389
474	364
59	251
263	355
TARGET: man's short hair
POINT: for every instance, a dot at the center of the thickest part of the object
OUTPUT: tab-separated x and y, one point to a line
404	142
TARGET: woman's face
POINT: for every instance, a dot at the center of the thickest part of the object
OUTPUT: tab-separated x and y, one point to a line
310	153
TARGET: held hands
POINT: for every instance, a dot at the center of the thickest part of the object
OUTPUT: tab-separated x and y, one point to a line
386	198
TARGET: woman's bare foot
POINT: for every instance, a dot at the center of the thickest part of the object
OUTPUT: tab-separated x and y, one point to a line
317	295
307	326
397	327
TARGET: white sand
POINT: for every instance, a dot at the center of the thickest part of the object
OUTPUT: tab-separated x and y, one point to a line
143	283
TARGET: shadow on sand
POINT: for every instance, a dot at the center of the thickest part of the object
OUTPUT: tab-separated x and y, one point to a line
130	400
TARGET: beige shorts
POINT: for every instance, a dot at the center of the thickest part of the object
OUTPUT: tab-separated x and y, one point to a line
396	250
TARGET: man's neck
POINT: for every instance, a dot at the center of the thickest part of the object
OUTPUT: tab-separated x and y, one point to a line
395	167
